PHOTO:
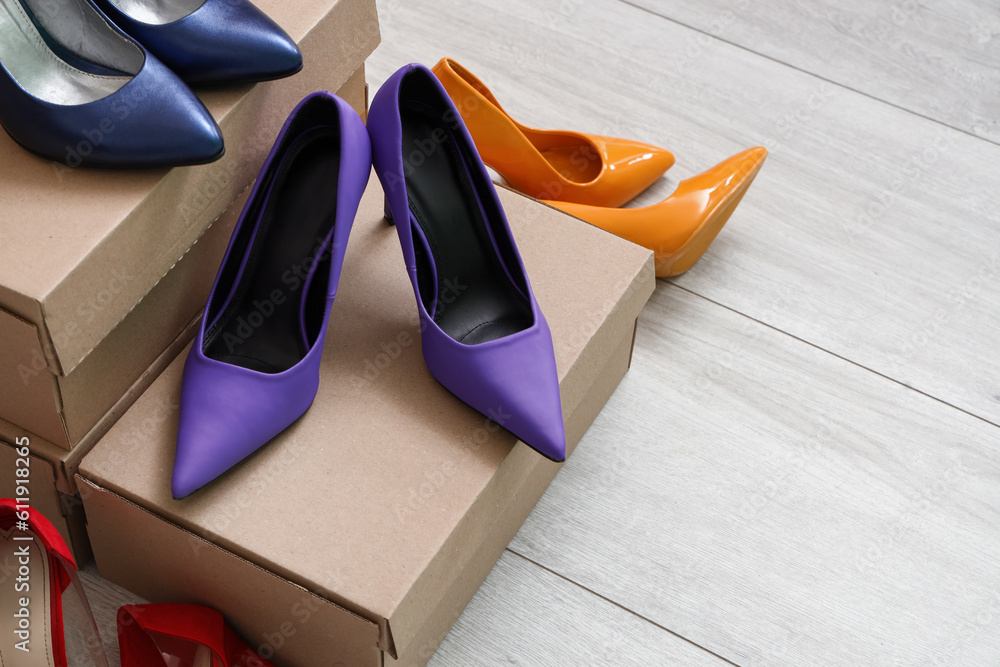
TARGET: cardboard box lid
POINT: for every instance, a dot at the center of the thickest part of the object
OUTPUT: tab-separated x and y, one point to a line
357	499
80	247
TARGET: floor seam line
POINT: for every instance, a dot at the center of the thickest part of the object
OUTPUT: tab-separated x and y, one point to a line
622	607
834	354
812	74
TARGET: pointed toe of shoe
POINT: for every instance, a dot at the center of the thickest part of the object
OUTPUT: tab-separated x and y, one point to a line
649	163
757	152
258	51
531	402
513	381
189	476
700	208
737	168
634	160
716	190
271	55
153	121
160	123
539	425
202	143
228	412
199	140
210	441
228	41
171	129
680	229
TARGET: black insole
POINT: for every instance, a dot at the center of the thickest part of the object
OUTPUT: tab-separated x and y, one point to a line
268	301
476	300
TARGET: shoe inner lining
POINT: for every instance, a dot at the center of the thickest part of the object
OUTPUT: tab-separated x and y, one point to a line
41	653
576	161
64	53
260	327
157	12
477	299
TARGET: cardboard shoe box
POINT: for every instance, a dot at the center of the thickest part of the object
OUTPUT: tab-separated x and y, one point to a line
102	270
363	530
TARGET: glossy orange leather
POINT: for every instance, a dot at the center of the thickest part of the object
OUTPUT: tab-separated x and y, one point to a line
551	164
679	229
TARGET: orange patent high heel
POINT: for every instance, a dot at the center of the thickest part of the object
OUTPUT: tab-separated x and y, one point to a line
40	594
551	164
680	228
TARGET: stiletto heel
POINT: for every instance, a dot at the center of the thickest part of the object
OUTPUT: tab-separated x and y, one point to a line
483	335
181	635
45	593
388	213
254	366
680	228
551	164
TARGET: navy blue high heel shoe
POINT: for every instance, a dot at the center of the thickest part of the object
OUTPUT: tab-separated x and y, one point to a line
76	89
209	41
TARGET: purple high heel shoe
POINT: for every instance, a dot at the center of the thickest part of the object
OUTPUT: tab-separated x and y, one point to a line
484	337
254	366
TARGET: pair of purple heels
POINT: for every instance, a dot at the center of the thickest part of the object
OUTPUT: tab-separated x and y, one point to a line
254	366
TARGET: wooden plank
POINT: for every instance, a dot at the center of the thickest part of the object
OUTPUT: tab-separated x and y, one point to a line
524	615
105	598
870	232
937	58
779	506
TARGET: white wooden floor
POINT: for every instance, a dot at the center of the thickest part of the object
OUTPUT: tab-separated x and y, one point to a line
803	465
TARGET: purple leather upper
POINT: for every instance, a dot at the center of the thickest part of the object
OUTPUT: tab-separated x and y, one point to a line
227	412
513	379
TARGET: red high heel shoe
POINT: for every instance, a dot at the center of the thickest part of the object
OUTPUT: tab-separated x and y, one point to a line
42	586
180	635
